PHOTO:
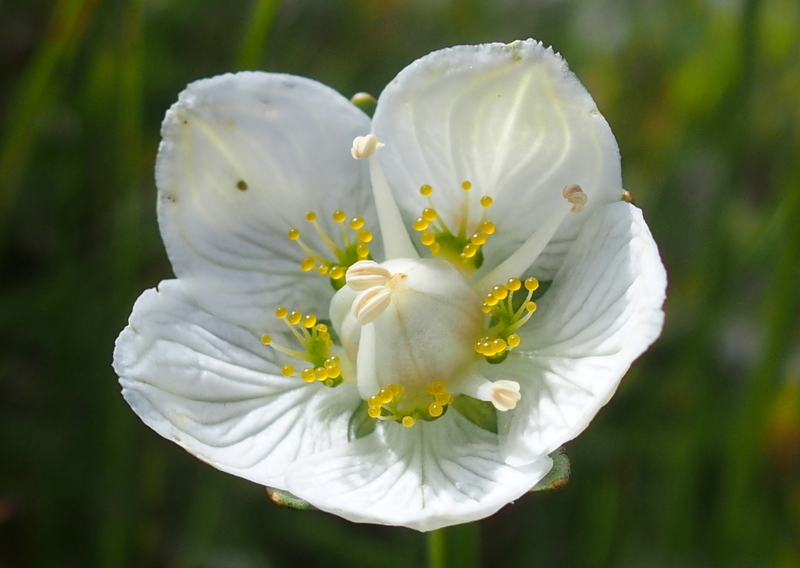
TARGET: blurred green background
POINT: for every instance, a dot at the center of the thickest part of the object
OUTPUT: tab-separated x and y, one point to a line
695	461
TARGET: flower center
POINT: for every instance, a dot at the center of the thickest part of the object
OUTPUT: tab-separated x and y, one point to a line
410	325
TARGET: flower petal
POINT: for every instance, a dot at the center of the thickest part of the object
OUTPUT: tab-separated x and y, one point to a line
243	158
602	311
511	119
214	389
424	477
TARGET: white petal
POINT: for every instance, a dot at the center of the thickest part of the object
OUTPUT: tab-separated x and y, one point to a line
243	158
602	311
424	477
215	390
514	121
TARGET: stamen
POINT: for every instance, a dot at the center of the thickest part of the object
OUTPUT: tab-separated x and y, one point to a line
371	303
530	250
366	274
396	242
355	248
317	343
503	394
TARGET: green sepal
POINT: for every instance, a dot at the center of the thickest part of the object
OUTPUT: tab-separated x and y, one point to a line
558	476
286	499
480	413
361	424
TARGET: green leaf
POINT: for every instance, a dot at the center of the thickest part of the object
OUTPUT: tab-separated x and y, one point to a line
480	413
558	476
360	423
286	499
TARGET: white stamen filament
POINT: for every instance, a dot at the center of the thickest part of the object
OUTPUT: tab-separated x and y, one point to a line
366	363
530	250
396	240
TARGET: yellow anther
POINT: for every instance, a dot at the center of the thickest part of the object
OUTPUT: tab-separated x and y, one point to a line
490	299
362	250
339	216
293	234
531	284
311	216
530	306
356	223
426	190
500	292
287	370
266	339
514	284
488	227
374	411
435	248
478	239
513	340
309	320
466	185
294	317
320	373
486	308
486	201
337	272
281	312
308	375
420	224
307	264
427	239
435	409
408	421
429	214
469	250
364	236
443	398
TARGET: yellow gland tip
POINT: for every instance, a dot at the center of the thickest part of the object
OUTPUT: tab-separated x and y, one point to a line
486	308
266	339
362	250
514	284
435	248
435	409
488	227
513	340
309	320
486	201
311	216
466	185
478	239
364	236
396	390
307	264
436	386
374	411
530	306
427	239
531	284
308	375
337	272
339	216
443	398
322	328
281	312
287	370
429	214
293	234
426	190
294	317
320	373
490	299
408	421
322	269
420	224
500	292
356	223
469	250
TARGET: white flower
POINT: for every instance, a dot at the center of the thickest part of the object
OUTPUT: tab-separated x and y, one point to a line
484	167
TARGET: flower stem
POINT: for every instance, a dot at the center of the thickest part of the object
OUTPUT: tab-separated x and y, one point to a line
454	546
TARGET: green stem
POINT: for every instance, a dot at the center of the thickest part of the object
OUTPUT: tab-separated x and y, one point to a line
454	546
